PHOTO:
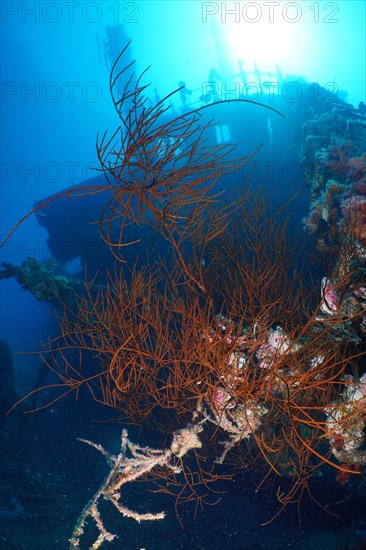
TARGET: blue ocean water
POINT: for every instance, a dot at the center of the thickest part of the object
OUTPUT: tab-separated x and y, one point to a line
55	65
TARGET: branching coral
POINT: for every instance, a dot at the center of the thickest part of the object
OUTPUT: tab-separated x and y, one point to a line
126	469
272	367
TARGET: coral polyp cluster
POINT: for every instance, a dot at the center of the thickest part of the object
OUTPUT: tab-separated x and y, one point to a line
354	217
336	172
346	423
